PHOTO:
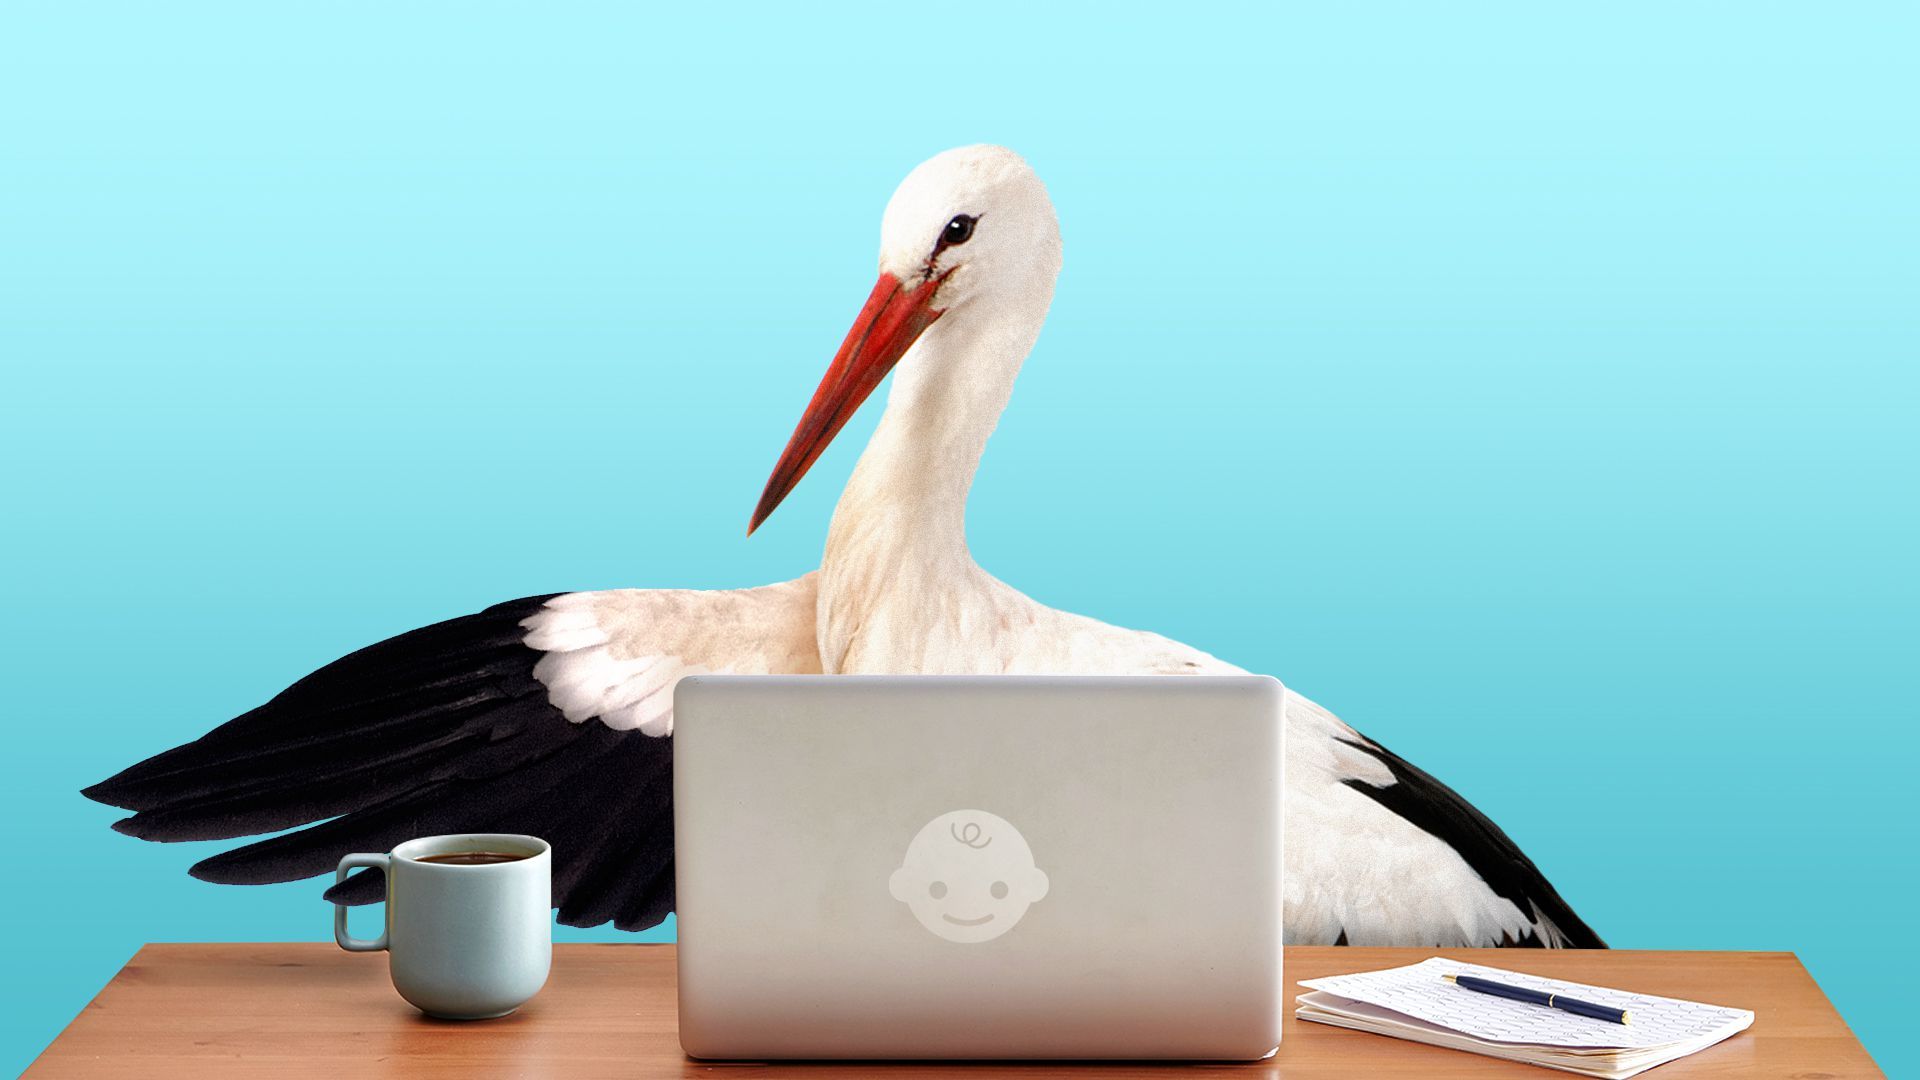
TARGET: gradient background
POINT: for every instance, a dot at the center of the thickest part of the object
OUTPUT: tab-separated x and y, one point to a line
1536	390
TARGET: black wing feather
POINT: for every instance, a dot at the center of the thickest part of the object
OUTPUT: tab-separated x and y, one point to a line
441	729
1437	809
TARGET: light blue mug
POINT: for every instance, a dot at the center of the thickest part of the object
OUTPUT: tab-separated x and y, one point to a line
465	941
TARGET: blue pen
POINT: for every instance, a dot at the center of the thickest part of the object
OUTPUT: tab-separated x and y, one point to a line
1539	997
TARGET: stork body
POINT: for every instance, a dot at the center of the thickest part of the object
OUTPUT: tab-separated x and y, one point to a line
553	715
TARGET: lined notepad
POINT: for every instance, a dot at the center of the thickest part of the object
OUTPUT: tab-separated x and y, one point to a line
1415	1003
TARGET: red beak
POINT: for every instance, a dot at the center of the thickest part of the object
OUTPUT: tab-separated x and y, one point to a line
893	319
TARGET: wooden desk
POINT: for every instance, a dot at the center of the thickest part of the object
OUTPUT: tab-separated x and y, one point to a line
309	1010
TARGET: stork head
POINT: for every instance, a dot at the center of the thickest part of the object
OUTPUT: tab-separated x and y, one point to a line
970	230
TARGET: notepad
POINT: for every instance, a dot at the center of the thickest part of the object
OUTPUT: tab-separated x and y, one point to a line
1414	1002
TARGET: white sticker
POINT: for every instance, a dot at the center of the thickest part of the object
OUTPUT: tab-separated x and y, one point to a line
968	876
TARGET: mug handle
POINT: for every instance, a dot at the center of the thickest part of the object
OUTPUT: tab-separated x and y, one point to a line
348	941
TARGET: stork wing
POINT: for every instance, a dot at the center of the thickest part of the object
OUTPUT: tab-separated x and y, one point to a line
1380	853
548	716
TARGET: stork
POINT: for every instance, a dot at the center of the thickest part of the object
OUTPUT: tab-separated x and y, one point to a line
552	715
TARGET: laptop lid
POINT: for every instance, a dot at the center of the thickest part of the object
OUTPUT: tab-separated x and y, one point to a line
978	867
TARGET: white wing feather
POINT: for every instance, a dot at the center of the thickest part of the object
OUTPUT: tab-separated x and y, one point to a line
1355	867
615	655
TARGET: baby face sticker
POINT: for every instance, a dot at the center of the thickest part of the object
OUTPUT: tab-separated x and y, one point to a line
968	876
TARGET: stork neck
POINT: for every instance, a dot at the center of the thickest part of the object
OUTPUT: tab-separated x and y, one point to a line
908	494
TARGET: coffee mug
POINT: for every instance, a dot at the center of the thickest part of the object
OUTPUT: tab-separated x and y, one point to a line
469	930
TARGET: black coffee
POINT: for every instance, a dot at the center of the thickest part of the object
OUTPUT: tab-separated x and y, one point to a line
472	858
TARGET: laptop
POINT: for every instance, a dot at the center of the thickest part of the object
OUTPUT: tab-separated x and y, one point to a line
1000	867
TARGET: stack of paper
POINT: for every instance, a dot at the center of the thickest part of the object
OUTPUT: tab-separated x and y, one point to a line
1414	1002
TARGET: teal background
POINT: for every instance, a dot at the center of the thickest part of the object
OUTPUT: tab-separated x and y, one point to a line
1535	389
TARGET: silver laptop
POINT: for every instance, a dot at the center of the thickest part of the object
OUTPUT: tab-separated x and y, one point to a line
978	867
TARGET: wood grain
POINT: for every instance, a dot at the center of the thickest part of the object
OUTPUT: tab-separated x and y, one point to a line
277	1012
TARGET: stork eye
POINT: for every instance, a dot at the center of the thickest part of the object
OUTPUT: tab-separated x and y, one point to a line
958	231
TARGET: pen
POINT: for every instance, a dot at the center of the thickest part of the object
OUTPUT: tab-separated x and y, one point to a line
1540	997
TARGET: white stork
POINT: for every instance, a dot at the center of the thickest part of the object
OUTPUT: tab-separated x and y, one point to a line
552	715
